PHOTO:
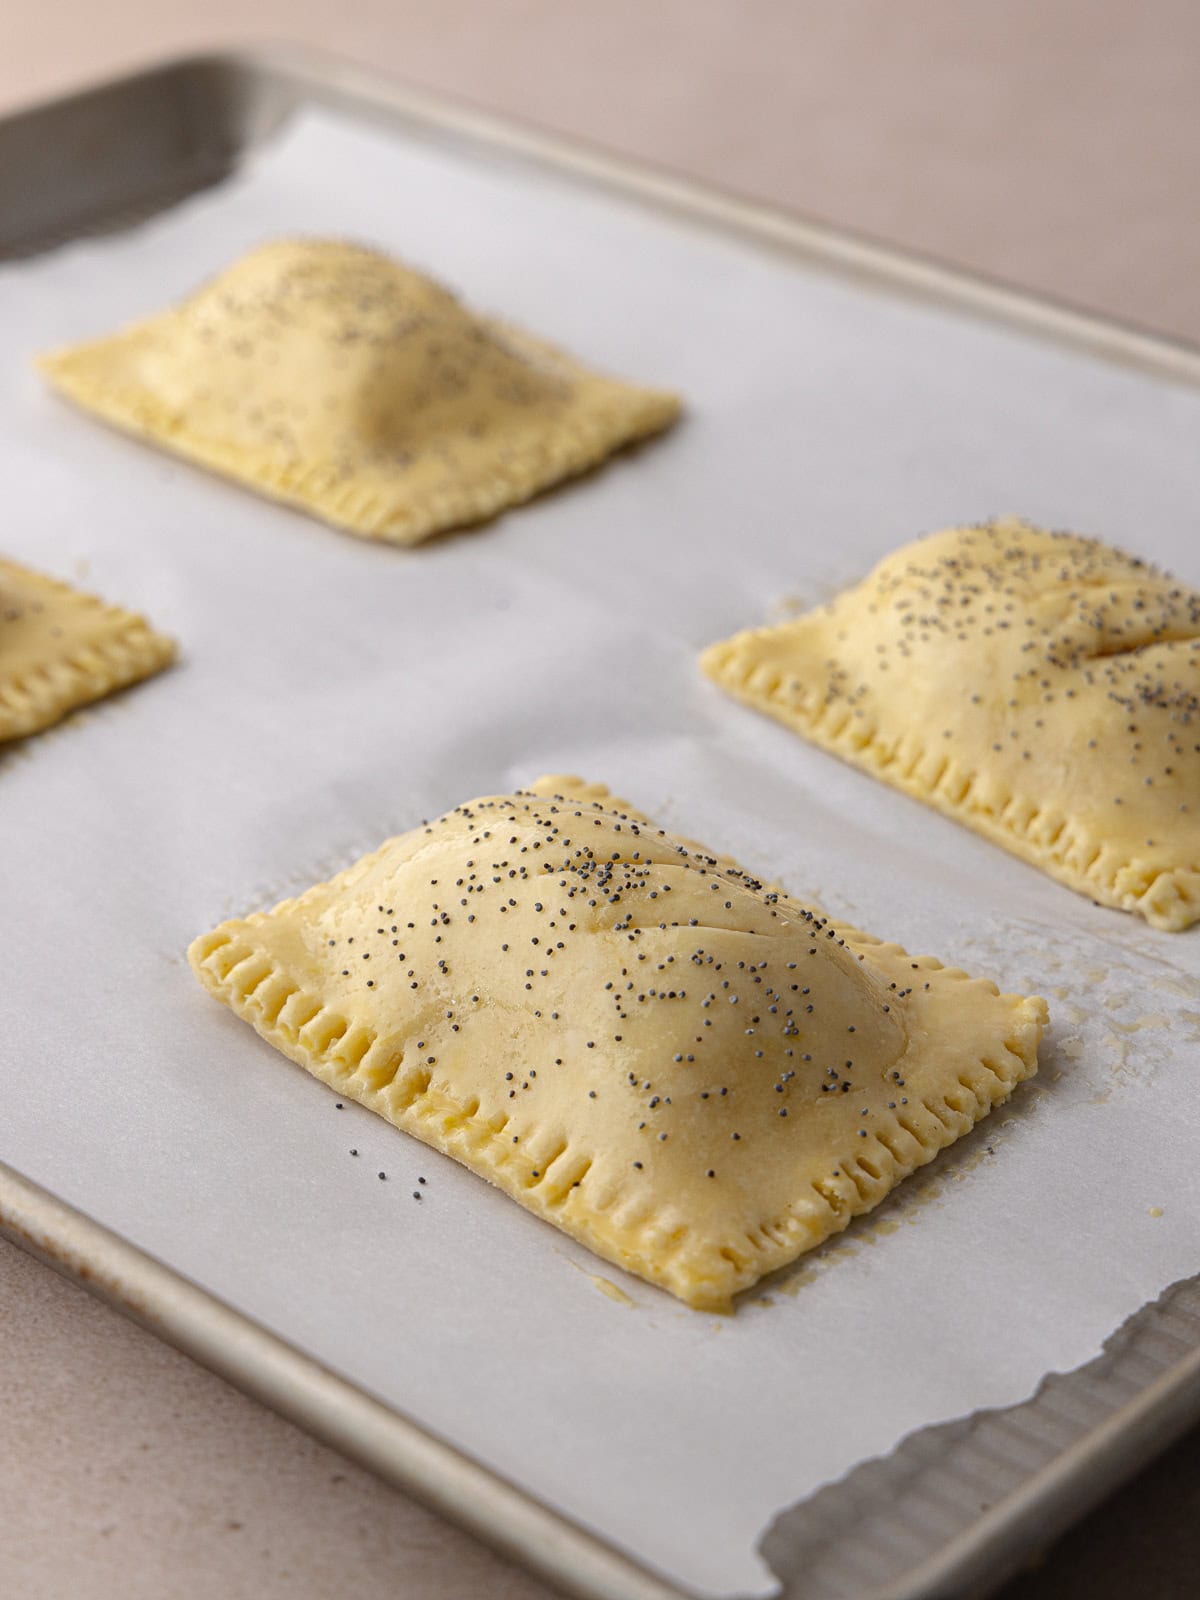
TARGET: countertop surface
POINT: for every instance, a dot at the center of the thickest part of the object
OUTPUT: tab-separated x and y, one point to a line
1052	143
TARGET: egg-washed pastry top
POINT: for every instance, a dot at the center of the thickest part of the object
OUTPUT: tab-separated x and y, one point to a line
685	1069
330	376
1043	688
60	648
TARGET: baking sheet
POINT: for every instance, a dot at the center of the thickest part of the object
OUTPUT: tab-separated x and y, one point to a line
332	693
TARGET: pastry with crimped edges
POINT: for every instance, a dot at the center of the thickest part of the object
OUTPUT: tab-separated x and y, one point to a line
685	1069
1042	687
330	376
61	649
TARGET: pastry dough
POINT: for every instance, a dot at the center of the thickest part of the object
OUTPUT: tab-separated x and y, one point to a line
60	649
330	376
1041	687
682	1067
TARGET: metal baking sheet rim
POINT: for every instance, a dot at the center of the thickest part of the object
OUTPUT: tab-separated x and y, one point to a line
272	82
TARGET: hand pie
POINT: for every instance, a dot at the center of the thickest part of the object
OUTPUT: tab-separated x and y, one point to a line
681	1067
1041	687
60	649
330	376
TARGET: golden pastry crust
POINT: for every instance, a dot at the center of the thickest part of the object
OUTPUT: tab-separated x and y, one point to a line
691	1073
329	376
60	648
1041	687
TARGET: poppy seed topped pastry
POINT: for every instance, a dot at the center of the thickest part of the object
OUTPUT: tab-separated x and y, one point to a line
329	375
60	649
1041	687
688	1071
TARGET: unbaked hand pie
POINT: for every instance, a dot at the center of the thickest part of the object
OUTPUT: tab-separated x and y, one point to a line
678	1065
60	648
330	376
1041	687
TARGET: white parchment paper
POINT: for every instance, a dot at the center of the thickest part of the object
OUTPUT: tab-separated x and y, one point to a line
332	692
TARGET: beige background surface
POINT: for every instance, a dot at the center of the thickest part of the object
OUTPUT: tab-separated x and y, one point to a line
1050	142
